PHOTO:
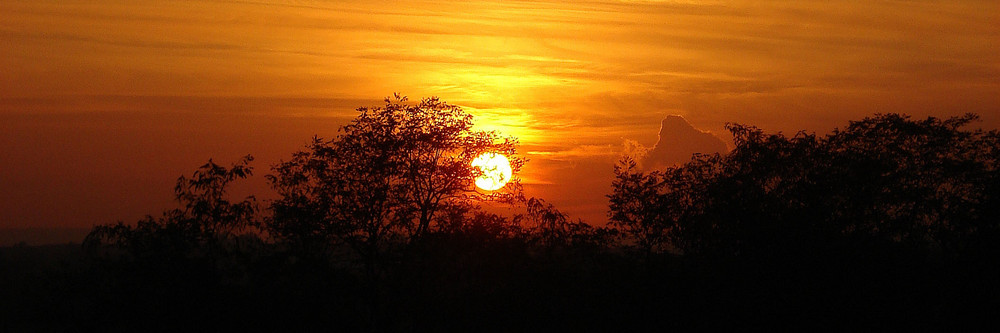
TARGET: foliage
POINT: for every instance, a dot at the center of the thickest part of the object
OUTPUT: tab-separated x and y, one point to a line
882	181
547	226
634	208
386	178
838	228
206	218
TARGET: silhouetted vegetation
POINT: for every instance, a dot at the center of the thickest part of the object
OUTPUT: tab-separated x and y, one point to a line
889	223
882	182
384	182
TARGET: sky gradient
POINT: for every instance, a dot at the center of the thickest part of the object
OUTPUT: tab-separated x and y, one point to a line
104	103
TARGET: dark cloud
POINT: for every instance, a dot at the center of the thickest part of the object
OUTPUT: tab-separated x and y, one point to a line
678	141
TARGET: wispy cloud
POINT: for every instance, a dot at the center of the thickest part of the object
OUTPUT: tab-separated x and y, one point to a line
570	78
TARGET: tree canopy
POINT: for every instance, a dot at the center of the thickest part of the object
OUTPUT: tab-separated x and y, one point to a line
207	218
885	220
386	177
887	179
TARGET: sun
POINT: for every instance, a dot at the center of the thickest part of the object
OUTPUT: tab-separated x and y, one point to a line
496	171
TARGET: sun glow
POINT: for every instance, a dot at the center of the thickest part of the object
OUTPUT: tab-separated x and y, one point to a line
496	171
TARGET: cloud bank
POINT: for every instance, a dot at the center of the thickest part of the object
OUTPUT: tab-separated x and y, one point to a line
678	142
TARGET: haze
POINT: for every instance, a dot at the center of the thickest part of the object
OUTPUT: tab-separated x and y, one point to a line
104	104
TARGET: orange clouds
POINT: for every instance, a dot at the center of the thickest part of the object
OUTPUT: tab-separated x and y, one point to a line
569	78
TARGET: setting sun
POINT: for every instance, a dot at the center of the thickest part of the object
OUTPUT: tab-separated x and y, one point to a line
496	171
432	165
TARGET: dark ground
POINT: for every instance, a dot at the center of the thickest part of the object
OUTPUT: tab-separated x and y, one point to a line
498	286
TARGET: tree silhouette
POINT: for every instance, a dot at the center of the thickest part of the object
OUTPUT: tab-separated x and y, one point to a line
635	208
886	180
883	221
386	177
207	218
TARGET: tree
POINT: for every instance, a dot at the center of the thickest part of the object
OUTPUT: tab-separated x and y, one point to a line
550	228
206	220
635	208
922	182
386	177
882	181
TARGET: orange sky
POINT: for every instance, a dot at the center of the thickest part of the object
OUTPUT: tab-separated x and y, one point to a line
104	103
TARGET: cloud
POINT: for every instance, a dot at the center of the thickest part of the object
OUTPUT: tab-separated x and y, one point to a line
83	82
678	141
582	151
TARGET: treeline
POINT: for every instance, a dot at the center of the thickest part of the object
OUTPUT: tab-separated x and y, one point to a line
888	223
883	183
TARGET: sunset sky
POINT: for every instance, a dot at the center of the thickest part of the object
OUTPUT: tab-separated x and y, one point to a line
103	104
